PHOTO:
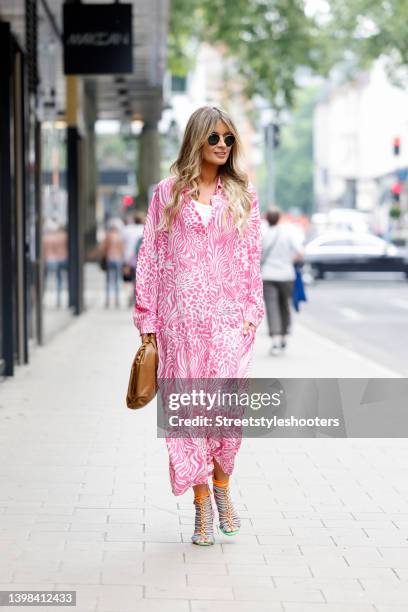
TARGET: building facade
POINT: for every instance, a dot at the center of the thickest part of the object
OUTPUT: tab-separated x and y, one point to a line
355	124
48	173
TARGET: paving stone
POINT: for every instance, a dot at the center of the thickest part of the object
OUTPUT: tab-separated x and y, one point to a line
328	607
236	606
190	592
272	594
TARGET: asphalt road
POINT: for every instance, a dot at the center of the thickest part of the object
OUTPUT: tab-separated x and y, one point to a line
366	312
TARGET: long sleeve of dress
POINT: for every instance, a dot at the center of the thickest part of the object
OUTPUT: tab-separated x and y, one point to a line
254	307
147	276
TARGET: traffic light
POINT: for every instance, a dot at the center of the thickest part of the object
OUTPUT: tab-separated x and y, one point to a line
396	190
127	201
397	145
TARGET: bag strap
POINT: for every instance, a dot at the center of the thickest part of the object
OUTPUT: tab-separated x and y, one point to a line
270	248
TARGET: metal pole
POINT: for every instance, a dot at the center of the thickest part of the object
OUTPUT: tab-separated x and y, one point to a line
270	166
75	209
7	278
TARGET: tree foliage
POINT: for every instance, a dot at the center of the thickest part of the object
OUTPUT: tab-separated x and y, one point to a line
273	39
363	30
270	40
185	31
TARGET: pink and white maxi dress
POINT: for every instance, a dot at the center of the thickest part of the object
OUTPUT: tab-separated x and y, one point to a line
194	288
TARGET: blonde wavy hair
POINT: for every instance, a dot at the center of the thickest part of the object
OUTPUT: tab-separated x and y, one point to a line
187	169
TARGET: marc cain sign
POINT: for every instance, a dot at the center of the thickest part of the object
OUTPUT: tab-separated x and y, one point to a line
98	38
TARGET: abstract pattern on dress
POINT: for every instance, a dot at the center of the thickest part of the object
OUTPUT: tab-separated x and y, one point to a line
194	288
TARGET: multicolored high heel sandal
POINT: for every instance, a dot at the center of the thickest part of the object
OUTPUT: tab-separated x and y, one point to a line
230	522
204	521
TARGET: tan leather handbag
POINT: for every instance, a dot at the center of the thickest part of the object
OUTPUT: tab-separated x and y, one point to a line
143	374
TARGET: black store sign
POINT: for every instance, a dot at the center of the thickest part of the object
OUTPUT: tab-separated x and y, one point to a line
97	38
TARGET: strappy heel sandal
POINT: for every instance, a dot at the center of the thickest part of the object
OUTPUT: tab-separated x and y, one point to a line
204	521
230	522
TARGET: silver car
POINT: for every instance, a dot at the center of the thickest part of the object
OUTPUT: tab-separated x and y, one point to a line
352	252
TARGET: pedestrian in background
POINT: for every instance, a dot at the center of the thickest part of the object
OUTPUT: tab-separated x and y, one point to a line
281	247
199	290
132	233
112	250
55	253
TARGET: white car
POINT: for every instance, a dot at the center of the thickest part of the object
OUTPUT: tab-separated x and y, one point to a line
352	252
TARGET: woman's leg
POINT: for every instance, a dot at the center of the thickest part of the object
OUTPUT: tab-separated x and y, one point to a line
229	520
271	296
116	280
285	296
108	273
273	313
60	265
204	516
201	490
219	474
188	462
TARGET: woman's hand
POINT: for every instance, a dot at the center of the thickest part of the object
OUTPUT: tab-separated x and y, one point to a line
248	325
144	337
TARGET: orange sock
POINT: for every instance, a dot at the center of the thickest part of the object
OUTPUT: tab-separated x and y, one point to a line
219	483
201	495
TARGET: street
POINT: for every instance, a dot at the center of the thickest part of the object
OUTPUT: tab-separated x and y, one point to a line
366	315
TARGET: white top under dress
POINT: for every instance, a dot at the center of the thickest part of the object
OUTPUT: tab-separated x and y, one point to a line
205	211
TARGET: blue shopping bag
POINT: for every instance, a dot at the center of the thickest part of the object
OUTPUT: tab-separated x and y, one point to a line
299	294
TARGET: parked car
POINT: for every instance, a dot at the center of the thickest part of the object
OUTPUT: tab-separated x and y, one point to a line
352	252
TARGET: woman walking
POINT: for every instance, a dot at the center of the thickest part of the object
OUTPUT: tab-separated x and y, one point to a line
199	289
131	234
113	249
281	247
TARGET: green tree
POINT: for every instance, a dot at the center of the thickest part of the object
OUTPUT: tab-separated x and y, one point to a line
270	40
185	29
363	30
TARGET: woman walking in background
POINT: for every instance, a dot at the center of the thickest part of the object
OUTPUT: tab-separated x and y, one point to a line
199	289
131	234
281	247
112	249
55	252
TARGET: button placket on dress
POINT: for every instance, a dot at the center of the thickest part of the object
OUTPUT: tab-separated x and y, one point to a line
216	201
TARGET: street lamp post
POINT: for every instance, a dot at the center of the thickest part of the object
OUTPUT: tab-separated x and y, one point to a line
270	165
272	139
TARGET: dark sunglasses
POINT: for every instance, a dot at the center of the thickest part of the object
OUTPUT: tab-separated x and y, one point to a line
214	139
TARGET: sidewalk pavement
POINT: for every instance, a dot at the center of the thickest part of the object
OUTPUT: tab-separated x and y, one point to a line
310	355
86	505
